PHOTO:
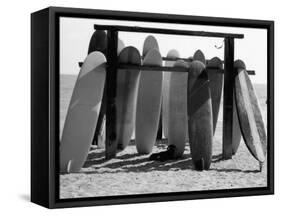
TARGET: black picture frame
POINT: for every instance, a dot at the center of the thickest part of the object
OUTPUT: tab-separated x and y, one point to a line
45	106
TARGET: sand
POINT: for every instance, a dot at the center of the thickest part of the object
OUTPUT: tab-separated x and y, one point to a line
131	173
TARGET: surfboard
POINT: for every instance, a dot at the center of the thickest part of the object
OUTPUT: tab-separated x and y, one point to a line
216	80
101	135
216	83
98	42
82	114
199	56
165	90
249	113
200	116
177	109
148	103
236	131
150	42
126	98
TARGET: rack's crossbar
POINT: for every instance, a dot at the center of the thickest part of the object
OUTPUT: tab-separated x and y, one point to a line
170	69
167	69
152	68
167	31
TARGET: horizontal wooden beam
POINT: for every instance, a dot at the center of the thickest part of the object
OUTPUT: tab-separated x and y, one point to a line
165	59
190	59
168	59
152	68
166	69
169	69
167	31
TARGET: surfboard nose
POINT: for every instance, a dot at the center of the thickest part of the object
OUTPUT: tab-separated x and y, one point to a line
98	42
239	64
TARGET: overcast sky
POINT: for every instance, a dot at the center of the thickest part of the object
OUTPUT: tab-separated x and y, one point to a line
75	34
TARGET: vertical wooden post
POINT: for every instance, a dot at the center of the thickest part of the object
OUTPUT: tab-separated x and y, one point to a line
228	97
111	85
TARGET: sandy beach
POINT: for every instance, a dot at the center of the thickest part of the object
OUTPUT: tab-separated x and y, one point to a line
131	173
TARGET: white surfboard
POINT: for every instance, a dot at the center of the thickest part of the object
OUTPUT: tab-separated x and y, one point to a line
165	90
177	109
82	114
148	103
150	43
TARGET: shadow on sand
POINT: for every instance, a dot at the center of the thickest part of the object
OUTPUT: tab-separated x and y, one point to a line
140	163
235	170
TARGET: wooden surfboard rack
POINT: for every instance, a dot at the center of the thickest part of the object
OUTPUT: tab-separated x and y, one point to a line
113	66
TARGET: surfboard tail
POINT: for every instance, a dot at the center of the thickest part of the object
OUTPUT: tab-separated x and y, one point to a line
199	164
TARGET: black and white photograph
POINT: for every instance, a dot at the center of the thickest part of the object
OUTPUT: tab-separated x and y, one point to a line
140	108
151	107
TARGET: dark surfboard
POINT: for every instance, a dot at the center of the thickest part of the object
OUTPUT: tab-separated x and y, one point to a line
98	42
216	80
216	84
199	56
200	116
236	131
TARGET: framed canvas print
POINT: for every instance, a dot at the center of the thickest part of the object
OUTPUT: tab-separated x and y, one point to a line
138	107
